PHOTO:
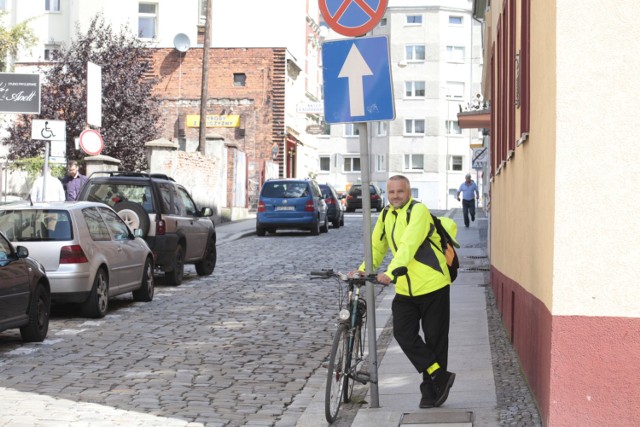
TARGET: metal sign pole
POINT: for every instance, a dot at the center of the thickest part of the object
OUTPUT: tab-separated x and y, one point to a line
368	262
45	168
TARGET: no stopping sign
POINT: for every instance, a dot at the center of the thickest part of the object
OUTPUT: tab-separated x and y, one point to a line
352	18
91	142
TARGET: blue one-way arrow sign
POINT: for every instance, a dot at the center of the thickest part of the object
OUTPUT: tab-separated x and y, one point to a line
357	80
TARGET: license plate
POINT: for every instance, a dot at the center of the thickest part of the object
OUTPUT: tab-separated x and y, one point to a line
285	208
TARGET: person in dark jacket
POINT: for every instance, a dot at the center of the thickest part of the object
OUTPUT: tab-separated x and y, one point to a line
73	181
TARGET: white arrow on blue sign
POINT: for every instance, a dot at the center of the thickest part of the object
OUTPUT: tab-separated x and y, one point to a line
357	80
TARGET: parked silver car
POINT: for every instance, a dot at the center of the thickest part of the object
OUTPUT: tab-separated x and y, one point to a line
89	253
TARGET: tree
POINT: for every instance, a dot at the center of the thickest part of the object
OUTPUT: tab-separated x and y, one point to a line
130	111
14	38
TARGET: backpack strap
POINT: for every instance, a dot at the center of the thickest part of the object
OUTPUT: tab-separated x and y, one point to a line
445	239
385	211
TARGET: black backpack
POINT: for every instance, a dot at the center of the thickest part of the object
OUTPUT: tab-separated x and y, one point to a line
446	248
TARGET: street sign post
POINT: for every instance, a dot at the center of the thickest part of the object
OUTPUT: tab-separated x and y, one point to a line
357	80
358	88
352	18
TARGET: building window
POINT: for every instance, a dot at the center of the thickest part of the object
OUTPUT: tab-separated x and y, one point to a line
413	162
453	128
414	89
414	19
239	79
380	163
455	89
455	20
147	20
50	50
49	5
351	164
414	52
382	128
325	163
415	193
455	53
414	127
2	5
351	129
455	163
383	22
326	128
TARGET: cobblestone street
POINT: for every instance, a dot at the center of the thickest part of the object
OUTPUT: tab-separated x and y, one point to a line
232	349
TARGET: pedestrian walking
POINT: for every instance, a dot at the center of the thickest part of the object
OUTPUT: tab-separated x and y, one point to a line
469	191
422	294
73	181
51	192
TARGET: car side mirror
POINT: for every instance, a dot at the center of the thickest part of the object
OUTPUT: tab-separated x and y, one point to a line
206	211
22	252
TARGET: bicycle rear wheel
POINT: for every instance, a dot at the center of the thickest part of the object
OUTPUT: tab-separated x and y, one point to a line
336	376
354	363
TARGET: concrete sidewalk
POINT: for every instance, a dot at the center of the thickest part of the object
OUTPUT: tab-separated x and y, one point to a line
472	400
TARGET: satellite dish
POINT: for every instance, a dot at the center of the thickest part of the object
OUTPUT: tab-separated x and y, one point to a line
181	42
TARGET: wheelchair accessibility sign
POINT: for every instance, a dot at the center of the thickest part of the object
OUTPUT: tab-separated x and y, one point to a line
48	130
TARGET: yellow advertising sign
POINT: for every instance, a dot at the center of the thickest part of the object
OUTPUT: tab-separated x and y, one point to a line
214	121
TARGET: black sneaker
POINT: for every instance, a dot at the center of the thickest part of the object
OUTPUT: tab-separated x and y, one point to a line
442	381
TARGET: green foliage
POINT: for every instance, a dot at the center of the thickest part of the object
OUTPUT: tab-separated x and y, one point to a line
12	39
130	111
33	166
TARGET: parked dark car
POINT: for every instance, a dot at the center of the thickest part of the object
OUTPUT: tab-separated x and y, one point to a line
354	198
177	231
335	209
25	296
291	204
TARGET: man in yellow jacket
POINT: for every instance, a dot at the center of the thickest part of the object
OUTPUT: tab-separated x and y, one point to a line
422	294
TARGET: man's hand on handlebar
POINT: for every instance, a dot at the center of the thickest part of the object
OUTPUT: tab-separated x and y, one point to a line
383	279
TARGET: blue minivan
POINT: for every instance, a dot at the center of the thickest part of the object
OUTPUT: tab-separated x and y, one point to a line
291	203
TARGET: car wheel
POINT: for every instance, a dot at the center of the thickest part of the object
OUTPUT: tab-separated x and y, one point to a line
146	290
38	326
325	226
351	210
260	231
174	278
342	220
336	223
98	302
208	263
133	215
271	230
315	228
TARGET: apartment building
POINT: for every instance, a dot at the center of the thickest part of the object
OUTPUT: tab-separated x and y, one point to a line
263	63
436	65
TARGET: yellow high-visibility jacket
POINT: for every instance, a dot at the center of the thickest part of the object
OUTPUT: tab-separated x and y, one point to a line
412	246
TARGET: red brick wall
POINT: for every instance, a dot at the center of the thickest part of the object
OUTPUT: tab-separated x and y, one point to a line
260	103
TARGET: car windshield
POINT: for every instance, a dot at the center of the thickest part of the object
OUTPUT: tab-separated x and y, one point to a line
285	190
28	225
113	193
357	190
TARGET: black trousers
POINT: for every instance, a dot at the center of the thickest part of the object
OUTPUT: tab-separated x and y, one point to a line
431	311
468	207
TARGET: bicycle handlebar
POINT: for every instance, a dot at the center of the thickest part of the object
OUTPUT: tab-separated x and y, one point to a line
326	274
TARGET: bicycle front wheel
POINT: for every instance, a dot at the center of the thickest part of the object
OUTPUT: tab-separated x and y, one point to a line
337	375
353	363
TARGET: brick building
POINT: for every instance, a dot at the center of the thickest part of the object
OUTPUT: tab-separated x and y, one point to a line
246	97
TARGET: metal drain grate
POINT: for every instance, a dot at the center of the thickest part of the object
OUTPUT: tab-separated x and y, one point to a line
463	269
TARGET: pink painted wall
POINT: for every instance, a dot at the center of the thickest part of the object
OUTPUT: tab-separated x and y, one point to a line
583	371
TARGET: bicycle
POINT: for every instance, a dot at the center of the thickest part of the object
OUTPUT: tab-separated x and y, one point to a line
348	351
